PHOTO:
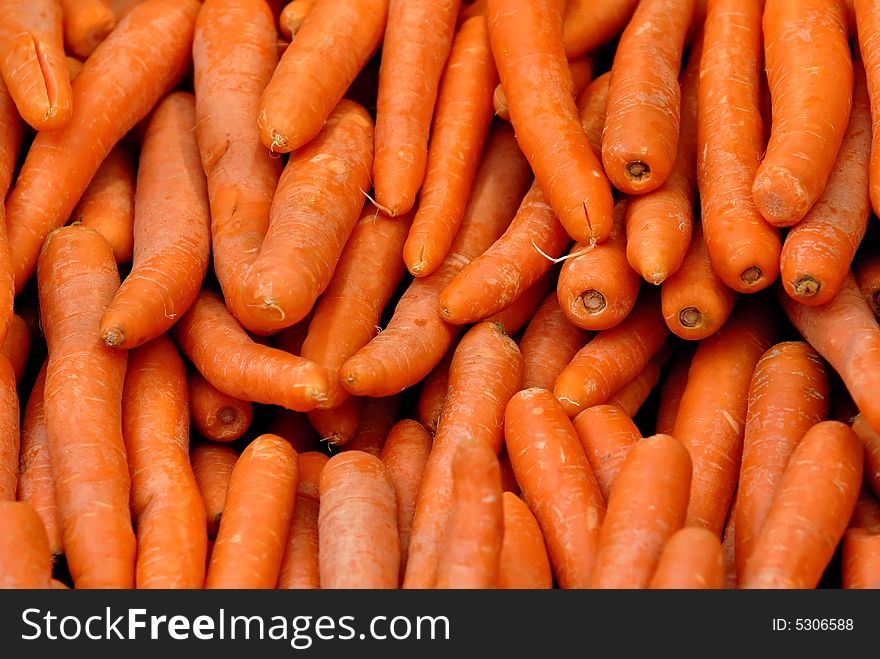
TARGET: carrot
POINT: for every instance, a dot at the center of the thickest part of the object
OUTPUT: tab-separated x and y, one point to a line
226	356
416	337
814	500
674	383
33	64
242	175
122	7
590	24
171	230
548	345
315	208
866	269
295	428
631	396
212	466
74	67
299	567
743	247
695	301
711	415
293	15
358	543
581	75
853	353
461	122
612	358
526	41
508	478
378	415
77	278
692	559
169	514
728	546
35	482
472	547
86	24
290	339
788	395
107	205
642	128
215	415
607	435
819	250
518	314
591	105
337	426
138	63
523	562
432	396
871	441
557	482
10	142
25	561
861	559
405	454
334	43
486	371
597	288
808	126
868	20
256	517
347	314
17	345
418	39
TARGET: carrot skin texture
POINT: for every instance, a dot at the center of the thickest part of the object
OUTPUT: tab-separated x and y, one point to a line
77	278
86	24
137	64
315	70
631	396
25	561
338	425
299	567
861	559
588	25
518	314
548	345
607	436
581	75
378	416
212	466
215	415
692	559
523	562
10	441
866	269
868	21
871	442
592	103
674	384
292	17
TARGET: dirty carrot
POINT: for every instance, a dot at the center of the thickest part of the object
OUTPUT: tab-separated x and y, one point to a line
86	24
378	416
692	559
17	345
25	561
607	435
299	567
212	466
338	425
589	24
523	562
868	20
215	415
548	345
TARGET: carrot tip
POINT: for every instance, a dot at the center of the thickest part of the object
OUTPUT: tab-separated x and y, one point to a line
279	144
751	275
113	337
806	286
594	302
690	317
227	415
638	170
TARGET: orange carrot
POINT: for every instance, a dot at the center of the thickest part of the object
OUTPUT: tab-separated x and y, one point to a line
122	7
295	428
692	559
299	567
378	415
17	345
523	562
293	15
861	559
212	466
86	24
581	75
9	432
432	396
486	371
226	356
871	441
74	67
591	105
77	278
674	383
867	15
631	396
527	44
358	543
590	24
607	435
508	478
518	314
215	415
815	498
33	65
728	546
417	42
788	395
25	561
472	547
337	426
548	345
335	41
866	269
557	482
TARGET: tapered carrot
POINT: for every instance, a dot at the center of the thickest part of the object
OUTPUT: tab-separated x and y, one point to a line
590	24
166	504
788	395
711	416
17	345
853	353
405	454
10	443
743	247
299	567
472	546
347	314
607	435
867	15
866	268
337	426
107	205
486	371
819	250
172	241
215	415
35	482
242	175
526	38
86	24
334	42
25	561
523	562
293	15
417	337
295	428
807	128
631	396
696	302
597	288
33	65
432	396
642	128
674	383
77	278
315	209
692	559
417	42
871	441
592	104
557	482
808	517
581	75
519	312
256	517
212	466
226	356
378	416
358	543
612	358
548	345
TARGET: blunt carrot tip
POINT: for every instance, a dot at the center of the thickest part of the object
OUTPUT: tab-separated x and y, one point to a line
112	337
806	287
751	275
638	170
594	302
227	415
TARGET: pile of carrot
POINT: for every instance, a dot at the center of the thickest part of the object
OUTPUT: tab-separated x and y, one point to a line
439	294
